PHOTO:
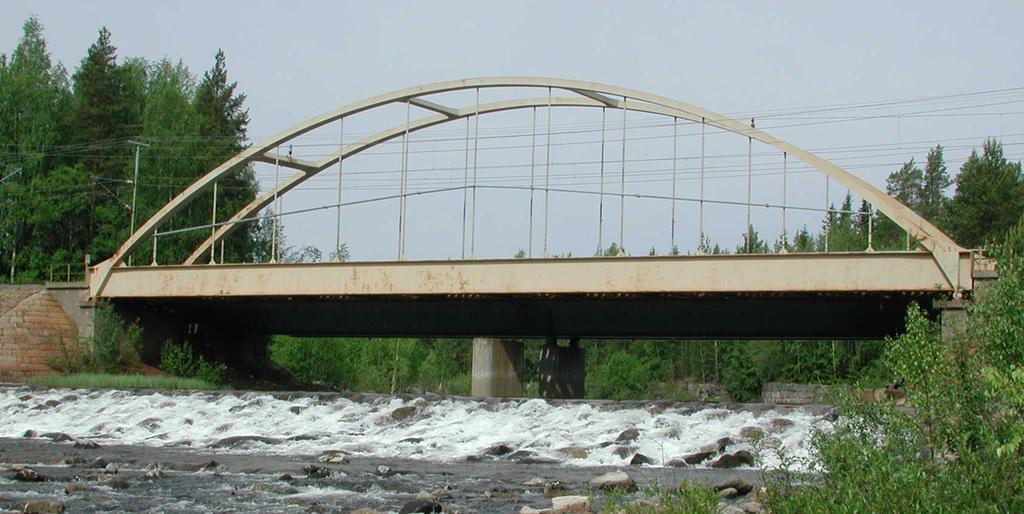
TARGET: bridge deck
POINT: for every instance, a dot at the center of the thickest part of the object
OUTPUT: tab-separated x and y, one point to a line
817	273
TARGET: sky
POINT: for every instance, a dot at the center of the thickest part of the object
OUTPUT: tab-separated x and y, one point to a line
295	60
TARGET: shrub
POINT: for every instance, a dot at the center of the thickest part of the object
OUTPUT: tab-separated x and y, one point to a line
180	360
113	346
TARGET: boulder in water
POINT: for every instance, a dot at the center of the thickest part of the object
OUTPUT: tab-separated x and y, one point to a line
498	450
313	471
614	480
43	507
29	475
732	460
272	488
555	488
741	486
627	436
110	469
751	432
640	459
724	443
85	444
698	457
624	451
403	413
78	488
728	493
677	463
333	457
114	482
570	504
421	506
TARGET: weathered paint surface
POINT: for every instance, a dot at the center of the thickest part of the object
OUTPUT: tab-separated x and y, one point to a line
899	272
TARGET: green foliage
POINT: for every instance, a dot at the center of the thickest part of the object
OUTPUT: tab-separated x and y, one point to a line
740	374
957	444
620	376
114	345
989	198
180	360
68	137
380	365
118	381
752	242
688	498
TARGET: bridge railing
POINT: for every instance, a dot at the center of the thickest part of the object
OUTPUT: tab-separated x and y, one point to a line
70	271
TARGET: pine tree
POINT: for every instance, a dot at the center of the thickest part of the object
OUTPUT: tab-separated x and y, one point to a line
989	197
934	184
224	123
107	107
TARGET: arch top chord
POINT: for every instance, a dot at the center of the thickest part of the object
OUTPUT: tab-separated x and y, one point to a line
590	94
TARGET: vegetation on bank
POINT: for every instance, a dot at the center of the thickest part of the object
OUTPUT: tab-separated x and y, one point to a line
119	381
955	444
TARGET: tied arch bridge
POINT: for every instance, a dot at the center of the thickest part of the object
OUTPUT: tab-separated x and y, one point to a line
827	295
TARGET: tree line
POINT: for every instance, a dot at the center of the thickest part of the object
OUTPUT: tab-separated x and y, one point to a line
67	154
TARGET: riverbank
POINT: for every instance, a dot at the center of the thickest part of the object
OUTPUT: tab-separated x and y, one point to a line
187	480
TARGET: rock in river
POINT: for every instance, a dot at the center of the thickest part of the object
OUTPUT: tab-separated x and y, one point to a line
614	480
732	460
421	506
28	475
627	436
43	507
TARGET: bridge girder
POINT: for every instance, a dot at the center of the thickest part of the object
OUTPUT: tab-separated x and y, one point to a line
947	253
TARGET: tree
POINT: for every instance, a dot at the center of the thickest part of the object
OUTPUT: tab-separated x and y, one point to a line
752	242
106	112
845	232
34	96
934	184
224	121
989	197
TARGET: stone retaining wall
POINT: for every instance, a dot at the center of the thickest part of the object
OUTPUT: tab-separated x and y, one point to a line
32	327
795	394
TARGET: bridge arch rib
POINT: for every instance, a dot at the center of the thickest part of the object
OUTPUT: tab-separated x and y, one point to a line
585	94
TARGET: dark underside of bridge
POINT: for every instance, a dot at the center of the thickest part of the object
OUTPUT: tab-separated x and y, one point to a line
737	316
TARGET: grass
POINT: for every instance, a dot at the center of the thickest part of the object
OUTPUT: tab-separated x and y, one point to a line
115	381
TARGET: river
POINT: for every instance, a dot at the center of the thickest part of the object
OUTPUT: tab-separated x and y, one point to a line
235	451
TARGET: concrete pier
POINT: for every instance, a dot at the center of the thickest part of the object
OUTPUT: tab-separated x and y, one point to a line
562	370
497	367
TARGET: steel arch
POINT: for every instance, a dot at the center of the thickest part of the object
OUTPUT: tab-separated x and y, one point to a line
588	94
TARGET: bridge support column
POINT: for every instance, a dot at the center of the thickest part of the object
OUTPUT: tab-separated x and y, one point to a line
497	367
562	370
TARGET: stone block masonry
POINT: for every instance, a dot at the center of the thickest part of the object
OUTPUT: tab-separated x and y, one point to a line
32	327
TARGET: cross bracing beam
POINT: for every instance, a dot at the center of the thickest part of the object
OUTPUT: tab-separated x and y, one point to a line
431	106
944	250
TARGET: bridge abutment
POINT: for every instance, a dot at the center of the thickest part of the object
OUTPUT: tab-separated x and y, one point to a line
497	367
562	370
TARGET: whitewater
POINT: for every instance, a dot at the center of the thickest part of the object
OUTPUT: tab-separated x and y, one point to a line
428	428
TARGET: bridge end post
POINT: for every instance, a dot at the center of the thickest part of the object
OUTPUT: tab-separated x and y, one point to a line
953	313
497	367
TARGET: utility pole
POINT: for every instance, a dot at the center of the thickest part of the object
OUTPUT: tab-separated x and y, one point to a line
135	187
